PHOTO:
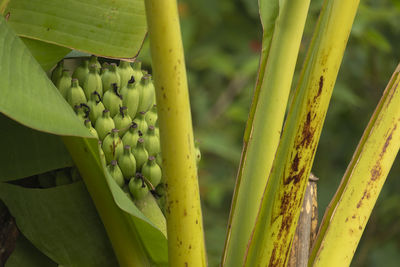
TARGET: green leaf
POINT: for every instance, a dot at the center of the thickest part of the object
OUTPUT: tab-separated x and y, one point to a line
25	254
27	152
46	54
102	27
61	222
27	95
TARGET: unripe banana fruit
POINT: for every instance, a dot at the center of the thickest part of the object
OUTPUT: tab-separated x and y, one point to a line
137	70
89	126
140	154
152	142
112	100
116	173
75	94
152	171
137	187
92	82
81	72
96	107
109	77
112	146
152	116
57	72
64	83
131	136
104	124
122	121
127	163
141	122
125	72
93	60
130	97
147	92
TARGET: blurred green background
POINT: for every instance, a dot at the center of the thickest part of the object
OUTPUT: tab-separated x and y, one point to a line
222	41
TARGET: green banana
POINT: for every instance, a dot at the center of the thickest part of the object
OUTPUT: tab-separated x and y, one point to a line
137	187
122	121
92	82
75	94
116	173
151	171
137	70
112	100
64	83
93	60
101	152
127	163
80	112
89	126
131	136
152	116
104	67
112	146
125	72
146	93
152	142
130	97
96	107
46	180
109	77
62	178
140	154
104	124
141	122
57	72
81	72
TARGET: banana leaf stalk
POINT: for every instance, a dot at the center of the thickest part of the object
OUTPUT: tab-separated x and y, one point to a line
286	21
348	213
280	208
126	243
183	212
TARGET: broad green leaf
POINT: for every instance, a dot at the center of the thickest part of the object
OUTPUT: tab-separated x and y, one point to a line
26	255
46	54
102	27
103	188
61	222
27	152
27	95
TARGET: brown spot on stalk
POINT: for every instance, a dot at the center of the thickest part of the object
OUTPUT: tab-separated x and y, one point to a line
307	132
320	85
184	212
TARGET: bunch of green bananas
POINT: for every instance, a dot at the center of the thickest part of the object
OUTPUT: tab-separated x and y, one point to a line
117	105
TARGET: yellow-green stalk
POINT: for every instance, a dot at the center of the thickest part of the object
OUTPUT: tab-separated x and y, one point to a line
282	199
183	211
122	234
267	115
348	213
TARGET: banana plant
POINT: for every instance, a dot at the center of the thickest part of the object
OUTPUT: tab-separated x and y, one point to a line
94	222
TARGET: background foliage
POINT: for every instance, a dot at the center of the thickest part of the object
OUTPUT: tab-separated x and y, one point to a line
222	41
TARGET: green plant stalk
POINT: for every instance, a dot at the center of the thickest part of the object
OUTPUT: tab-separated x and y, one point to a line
269	105
183	212
124	239
280	208
347	215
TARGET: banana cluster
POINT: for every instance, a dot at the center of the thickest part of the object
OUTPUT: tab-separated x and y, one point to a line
117	105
